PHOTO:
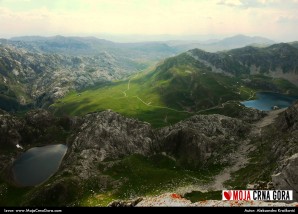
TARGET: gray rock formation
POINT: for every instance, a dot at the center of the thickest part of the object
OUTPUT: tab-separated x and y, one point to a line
202	139
287	178
37	126
288	121
250	115
10	128
106	136
285	150
130	203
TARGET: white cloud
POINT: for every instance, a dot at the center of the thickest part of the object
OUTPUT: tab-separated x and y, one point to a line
254	17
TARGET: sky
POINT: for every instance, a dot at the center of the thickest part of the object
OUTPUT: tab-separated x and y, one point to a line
167	19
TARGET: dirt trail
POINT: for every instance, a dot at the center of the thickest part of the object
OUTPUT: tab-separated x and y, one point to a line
149	103
272	115
238	158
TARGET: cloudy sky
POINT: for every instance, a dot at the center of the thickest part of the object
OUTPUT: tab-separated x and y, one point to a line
275	19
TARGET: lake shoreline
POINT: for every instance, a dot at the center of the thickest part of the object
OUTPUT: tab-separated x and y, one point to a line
266	101
36	165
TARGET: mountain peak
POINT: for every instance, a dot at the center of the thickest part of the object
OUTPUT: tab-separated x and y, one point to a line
245	40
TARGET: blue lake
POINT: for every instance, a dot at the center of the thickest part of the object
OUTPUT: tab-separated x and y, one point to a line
38	164
266	100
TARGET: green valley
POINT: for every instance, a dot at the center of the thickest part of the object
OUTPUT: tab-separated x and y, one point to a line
160	97
177	88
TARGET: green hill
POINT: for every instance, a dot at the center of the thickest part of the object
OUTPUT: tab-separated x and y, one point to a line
183	85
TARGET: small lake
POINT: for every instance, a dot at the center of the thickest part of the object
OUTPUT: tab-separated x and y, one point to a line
266	100
38	164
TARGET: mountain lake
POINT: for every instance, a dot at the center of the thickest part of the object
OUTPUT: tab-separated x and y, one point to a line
267	100
38	164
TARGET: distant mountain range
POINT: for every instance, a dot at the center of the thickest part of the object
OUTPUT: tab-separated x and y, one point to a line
90	46
237	41
137	51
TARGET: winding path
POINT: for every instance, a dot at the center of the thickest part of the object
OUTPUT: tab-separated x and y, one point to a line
149	104
222	105
128	86
269	119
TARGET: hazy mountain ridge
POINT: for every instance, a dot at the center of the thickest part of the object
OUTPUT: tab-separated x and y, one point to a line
233	42
87	46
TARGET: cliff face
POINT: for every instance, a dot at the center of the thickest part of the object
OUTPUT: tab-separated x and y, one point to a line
10	130
285	149
287	175
36	127
288	121
202	139
106	136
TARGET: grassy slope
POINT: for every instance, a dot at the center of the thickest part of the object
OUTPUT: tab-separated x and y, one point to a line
142	176
176	89
112	97
11	196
